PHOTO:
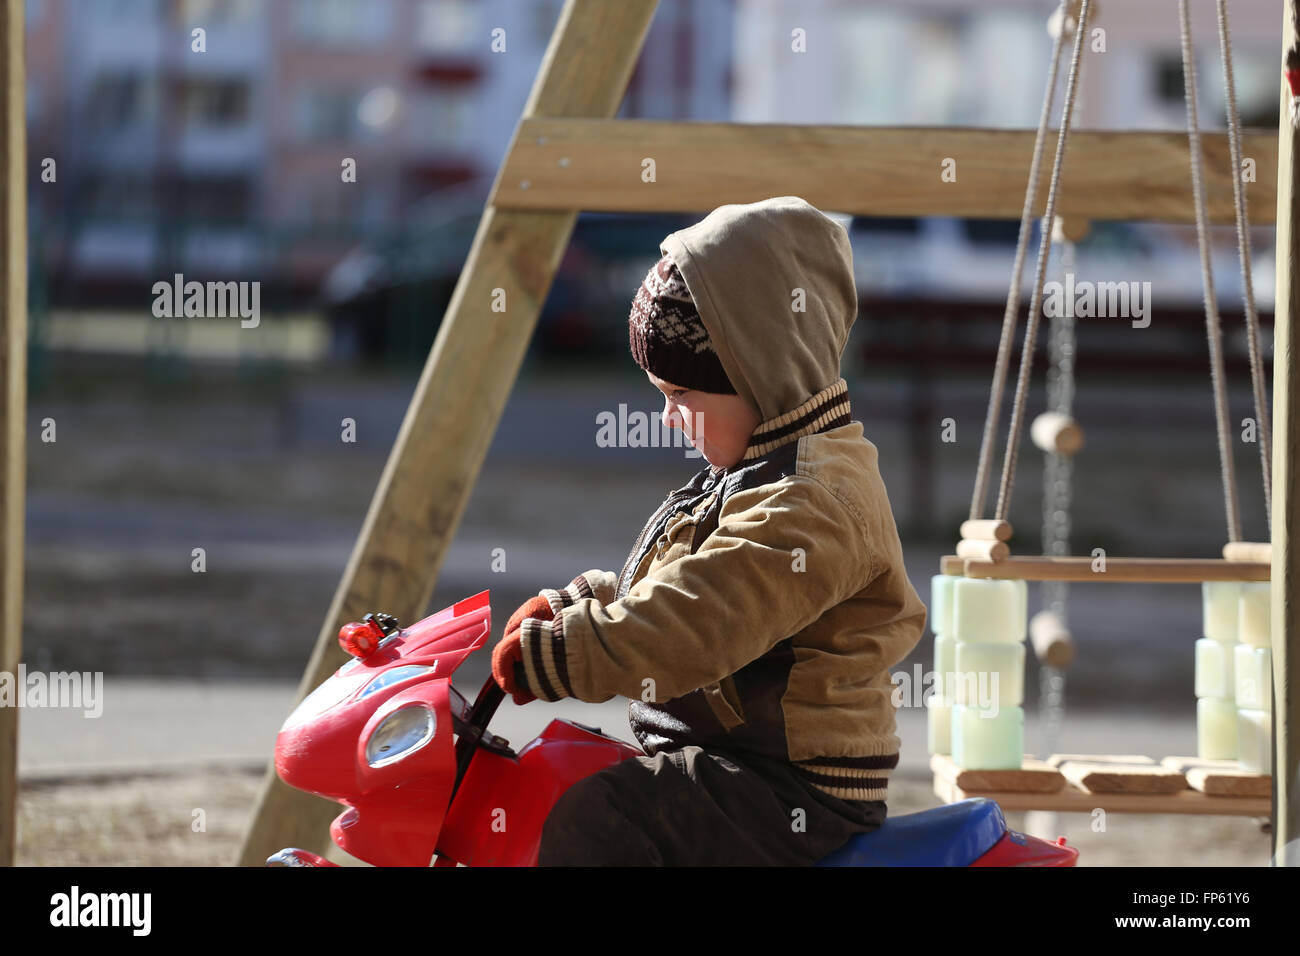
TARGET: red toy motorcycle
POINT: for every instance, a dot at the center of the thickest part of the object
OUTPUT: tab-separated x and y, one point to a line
423	779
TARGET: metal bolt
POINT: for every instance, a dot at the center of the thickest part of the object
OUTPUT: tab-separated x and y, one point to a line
525	184
564	160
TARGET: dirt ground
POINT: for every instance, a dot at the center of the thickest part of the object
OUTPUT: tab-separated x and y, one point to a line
116	822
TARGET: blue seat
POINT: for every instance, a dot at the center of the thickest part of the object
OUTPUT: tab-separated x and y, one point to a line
955	834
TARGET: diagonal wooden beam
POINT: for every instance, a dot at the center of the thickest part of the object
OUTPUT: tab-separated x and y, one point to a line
595	164
1285	591
13	396
463	389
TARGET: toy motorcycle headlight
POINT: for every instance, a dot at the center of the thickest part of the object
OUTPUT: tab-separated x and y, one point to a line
400	734
390	677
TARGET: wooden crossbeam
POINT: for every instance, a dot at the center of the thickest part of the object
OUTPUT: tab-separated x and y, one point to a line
1049	568
593	164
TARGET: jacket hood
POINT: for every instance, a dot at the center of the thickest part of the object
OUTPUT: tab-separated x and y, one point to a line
743	264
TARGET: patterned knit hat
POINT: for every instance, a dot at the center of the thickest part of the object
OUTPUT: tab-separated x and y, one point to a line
667	337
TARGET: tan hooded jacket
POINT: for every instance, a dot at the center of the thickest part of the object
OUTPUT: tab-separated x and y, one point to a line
762	605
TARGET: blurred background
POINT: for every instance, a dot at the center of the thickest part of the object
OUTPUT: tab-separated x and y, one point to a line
175	434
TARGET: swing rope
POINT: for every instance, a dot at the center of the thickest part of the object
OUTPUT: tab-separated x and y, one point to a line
1044	250
1212	330
1243	253
1017	272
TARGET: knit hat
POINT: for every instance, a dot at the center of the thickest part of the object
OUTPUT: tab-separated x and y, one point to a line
667	337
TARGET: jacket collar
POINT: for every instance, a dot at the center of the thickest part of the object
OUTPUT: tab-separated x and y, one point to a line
828	409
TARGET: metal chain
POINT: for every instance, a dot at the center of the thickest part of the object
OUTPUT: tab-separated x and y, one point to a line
1058	471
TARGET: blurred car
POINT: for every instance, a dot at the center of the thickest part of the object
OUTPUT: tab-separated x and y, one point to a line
387	297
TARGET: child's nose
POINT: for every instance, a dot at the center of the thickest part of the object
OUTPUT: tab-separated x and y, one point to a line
670	417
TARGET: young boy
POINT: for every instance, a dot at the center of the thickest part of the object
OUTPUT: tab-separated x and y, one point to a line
755	621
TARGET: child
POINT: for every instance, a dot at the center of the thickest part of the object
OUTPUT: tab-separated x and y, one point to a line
755	621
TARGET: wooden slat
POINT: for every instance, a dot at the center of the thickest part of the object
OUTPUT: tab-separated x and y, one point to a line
13	397
1220	777
1140	760
870	171
462	391
1113	777
1046	568
1034	776
1071	799
1285	519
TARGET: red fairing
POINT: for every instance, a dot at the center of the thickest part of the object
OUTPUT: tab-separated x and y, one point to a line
501	805
397	794
1021	849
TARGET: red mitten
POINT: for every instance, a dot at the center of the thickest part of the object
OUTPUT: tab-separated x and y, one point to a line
508	658
537	607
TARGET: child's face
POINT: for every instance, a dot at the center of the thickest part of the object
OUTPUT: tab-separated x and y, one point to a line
718	425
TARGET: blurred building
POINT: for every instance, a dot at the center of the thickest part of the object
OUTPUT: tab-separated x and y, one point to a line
960	62
230	159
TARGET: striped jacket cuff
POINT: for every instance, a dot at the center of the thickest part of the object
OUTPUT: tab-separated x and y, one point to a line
849	778
560	598
545	668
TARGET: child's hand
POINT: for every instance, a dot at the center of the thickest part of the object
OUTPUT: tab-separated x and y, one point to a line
537	607
508	655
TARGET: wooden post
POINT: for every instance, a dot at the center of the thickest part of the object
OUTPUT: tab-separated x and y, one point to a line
1286	487
13	397
463	389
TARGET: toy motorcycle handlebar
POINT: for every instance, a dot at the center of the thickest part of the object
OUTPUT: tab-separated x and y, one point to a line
472	731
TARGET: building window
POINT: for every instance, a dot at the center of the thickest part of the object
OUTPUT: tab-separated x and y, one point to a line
329	115
119	101
215	102
117	10
211	12
329	203
448	26
440	119
1168	78
216	200
343	22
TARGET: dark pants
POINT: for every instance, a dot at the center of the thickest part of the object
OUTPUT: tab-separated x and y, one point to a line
692	807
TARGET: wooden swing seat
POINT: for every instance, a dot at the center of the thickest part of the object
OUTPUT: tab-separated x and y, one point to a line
1051	568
